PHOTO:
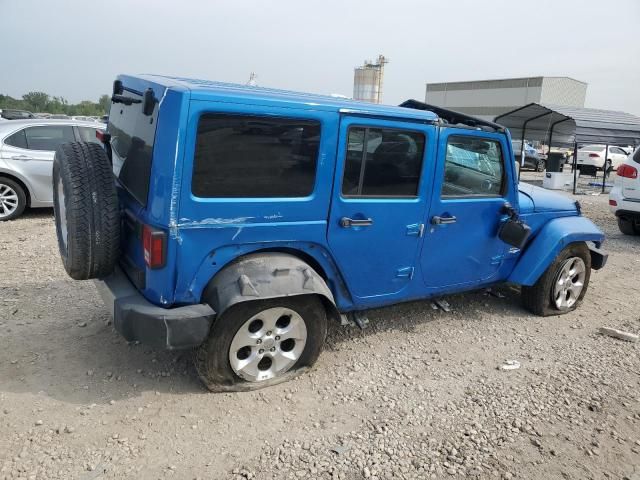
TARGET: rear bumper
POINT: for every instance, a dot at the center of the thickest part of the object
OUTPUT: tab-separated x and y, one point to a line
139	320
625	207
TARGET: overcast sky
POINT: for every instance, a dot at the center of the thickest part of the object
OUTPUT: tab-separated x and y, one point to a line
75	48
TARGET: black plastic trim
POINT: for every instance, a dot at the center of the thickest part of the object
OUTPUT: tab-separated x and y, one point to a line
598	257
137	319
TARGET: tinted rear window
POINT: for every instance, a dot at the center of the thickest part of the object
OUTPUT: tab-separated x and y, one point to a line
132	137
250	157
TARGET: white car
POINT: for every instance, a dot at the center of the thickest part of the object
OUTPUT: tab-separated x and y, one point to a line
27	148
594	156
624	199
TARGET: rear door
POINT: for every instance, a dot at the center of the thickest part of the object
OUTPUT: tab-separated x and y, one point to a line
379	202
472	184
30	152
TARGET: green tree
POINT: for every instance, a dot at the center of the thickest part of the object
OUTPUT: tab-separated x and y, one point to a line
37	101
105	104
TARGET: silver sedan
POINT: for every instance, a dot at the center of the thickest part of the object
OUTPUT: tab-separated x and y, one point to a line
27	148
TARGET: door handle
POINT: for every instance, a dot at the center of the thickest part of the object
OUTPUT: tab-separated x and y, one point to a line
436	220
346	222
20	157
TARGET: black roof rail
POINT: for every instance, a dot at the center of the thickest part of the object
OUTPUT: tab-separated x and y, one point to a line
452	117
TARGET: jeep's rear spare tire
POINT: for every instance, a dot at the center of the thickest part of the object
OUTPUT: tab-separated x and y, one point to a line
86	210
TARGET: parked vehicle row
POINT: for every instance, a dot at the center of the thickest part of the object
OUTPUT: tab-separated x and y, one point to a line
241	220
27	149
14	114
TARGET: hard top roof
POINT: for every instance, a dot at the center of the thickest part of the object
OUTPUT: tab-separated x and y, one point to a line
210	90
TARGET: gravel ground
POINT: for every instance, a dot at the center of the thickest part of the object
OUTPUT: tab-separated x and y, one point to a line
416	395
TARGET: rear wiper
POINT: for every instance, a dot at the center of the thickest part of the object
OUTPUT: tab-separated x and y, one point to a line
116	98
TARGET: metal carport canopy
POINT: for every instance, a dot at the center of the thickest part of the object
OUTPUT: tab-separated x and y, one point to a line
558	125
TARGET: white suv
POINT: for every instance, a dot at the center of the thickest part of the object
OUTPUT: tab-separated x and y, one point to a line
624	199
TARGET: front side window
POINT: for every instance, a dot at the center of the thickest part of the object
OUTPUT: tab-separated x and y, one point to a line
252	157
49	137
382	162
473	167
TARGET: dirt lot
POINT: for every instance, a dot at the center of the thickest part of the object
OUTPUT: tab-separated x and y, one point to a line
416	395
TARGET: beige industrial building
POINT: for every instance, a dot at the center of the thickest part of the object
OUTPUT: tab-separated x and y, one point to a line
368	80
489	98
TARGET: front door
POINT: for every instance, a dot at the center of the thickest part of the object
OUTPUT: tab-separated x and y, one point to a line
379	202
472	184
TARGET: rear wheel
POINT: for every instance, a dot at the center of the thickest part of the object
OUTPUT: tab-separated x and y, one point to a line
628	227
13	199
563	285
261	343
541	165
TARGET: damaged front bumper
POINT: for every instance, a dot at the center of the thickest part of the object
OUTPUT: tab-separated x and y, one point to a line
137	319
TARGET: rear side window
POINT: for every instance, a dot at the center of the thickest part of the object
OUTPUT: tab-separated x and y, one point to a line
48	137
251	157
132	137
473	167
382	163
18	139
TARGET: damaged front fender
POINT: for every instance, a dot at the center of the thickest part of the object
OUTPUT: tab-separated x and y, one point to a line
554	236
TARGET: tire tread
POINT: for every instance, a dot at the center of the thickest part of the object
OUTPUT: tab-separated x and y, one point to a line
93	217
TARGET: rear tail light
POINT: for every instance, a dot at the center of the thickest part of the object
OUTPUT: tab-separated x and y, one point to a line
613	203
627	171
594	155
103	136
154	243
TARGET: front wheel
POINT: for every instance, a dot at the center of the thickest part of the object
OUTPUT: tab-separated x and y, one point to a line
541	165
260	343
563	285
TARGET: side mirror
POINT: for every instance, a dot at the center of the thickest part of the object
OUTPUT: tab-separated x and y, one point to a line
514	232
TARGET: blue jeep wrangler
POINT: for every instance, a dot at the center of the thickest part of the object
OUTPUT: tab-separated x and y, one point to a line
238	220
